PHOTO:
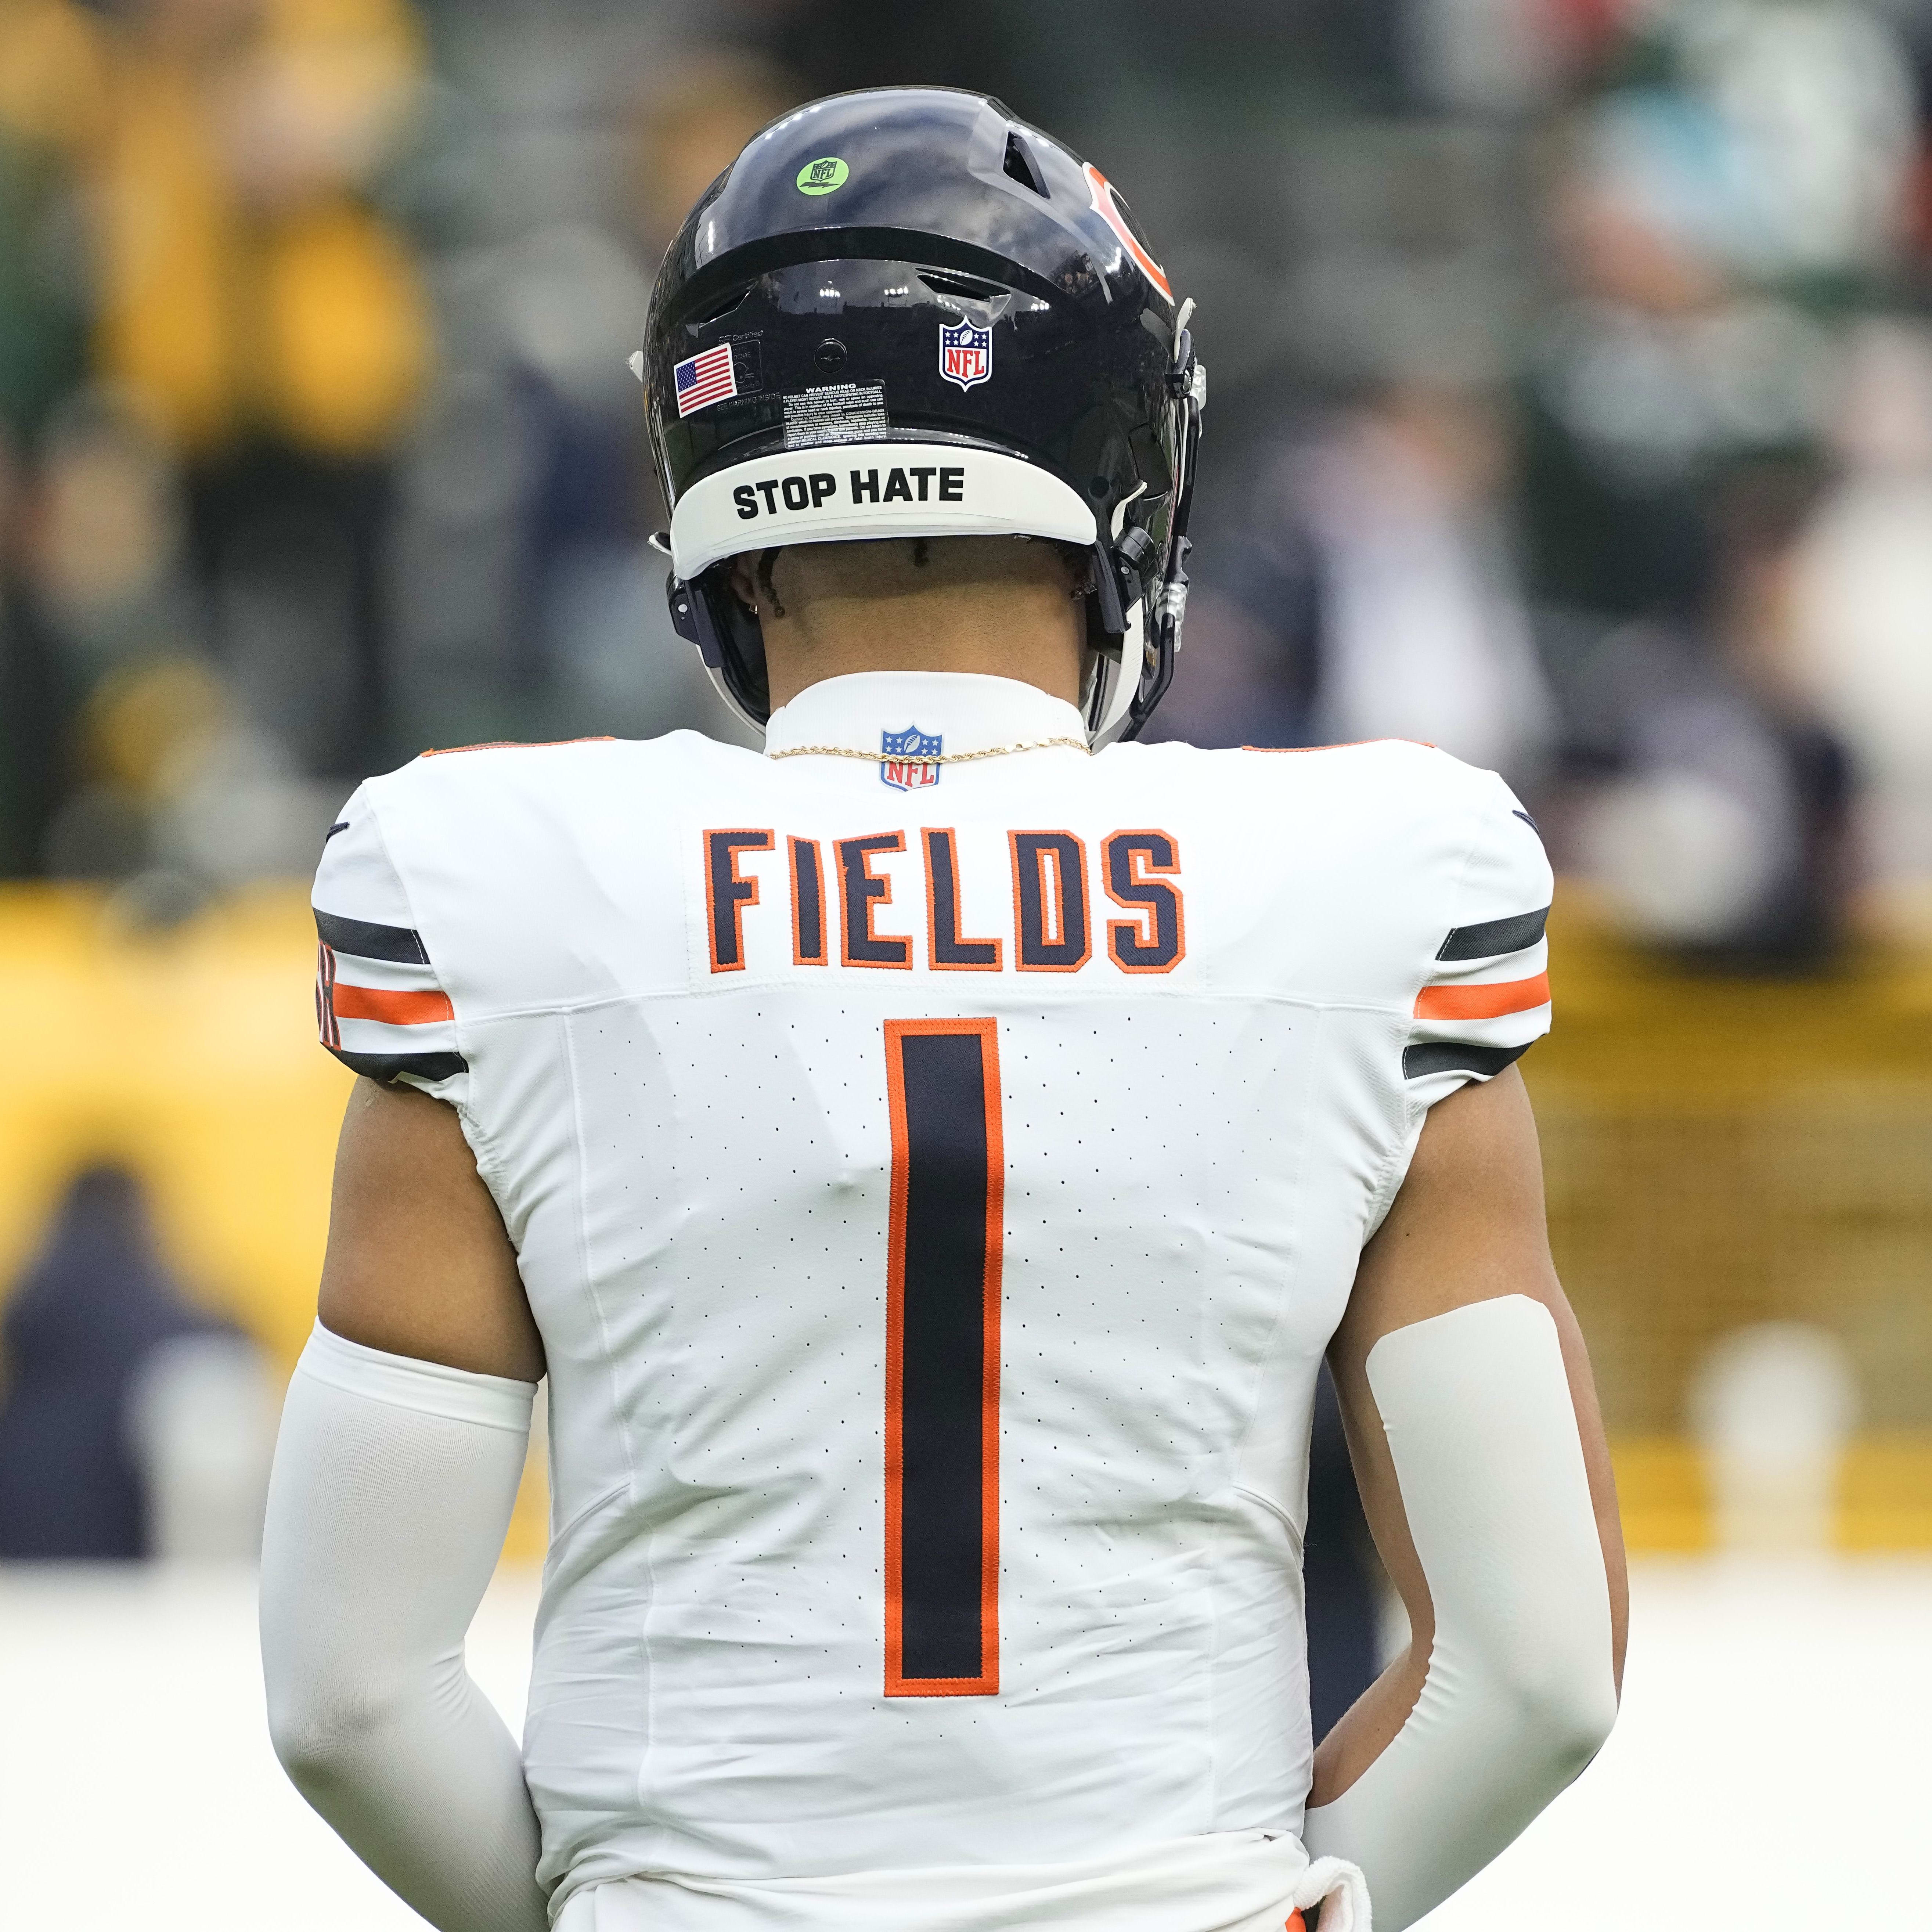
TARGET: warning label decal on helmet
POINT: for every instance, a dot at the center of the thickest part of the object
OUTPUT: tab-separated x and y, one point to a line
841	412
965	354
1106	206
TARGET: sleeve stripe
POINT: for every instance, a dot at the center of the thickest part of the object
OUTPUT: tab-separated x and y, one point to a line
387	1066
1495	936
1456	1056
386	1003
1468	1003
368	941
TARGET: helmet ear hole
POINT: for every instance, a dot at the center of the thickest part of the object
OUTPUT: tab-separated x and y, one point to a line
1020	166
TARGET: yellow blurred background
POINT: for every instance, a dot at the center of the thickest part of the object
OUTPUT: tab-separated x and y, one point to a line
189	1057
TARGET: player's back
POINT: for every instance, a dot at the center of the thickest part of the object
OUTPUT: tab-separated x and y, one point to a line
935	1195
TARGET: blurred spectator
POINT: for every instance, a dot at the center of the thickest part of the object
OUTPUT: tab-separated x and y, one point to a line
52	97
133	751
312	329
83	1326
255	302
690	120
1656	373
1711	807
1772	151
1862	604
97	585
181	794
1374	595
103	543
528	603
201	1413
1815	101
1775	1405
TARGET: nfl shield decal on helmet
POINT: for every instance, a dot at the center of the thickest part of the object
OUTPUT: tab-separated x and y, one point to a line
965	354
906	758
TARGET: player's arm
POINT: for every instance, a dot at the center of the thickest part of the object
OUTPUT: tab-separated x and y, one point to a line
401	1448
1473	1425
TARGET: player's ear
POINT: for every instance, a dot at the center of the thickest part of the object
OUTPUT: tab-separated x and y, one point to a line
744	579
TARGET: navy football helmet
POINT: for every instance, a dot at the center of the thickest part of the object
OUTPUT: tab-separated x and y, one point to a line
904	313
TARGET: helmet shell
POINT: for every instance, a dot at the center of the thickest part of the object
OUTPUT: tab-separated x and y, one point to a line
851	244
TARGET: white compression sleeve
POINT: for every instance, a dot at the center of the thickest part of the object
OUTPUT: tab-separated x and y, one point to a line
393	1485
1521	1689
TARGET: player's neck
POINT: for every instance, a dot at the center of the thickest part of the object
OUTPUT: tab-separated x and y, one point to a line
1032	632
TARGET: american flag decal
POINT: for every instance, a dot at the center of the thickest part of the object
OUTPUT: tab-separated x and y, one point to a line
708	378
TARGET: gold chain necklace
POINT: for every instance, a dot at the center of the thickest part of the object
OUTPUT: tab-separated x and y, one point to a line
932	758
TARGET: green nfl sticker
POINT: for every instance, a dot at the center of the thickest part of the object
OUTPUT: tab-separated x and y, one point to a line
821	177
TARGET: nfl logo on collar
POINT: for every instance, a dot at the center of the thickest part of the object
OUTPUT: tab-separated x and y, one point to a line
965	354
905	755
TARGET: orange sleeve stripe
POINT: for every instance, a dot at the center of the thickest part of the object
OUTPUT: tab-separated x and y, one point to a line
1482	1003
396	1009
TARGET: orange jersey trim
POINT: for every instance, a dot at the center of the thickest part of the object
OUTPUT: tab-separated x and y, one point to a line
1482	1003
392	1007
518	745
1345	745
987	1683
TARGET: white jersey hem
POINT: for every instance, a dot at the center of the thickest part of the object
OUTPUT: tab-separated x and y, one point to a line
1221	1881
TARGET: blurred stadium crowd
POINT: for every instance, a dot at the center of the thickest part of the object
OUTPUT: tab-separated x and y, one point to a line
1572	409
1574	394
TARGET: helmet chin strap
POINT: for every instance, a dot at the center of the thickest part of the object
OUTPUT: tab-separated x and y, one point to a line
1121	671
1130	653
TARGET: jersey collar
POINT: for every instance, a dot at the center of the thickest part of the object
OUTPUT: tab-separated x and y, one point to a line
970	712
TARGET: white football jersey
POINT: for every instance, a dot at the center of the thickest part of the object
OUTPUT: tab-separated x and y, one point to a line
936	1184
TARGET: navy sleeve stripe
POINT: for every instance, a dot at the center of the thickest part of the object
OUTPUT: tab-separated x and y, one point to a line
386	1066
1495	936
1456	1056
368	941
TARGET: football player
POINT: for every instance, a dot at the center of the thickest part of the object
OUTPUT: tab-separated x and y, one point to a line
929	1160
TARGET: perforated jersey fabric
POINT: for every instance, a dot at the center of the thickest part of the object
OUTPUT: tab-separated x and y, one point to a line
937	1185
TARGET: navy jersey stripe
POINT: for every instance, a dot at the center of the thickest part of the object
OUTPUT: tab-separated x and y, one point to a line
1456	1056
387	1066
1495	936
939	1370
368	941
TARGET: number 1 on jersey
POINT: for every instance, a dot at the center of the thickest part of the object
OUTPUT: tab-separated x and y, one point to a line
943	1286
